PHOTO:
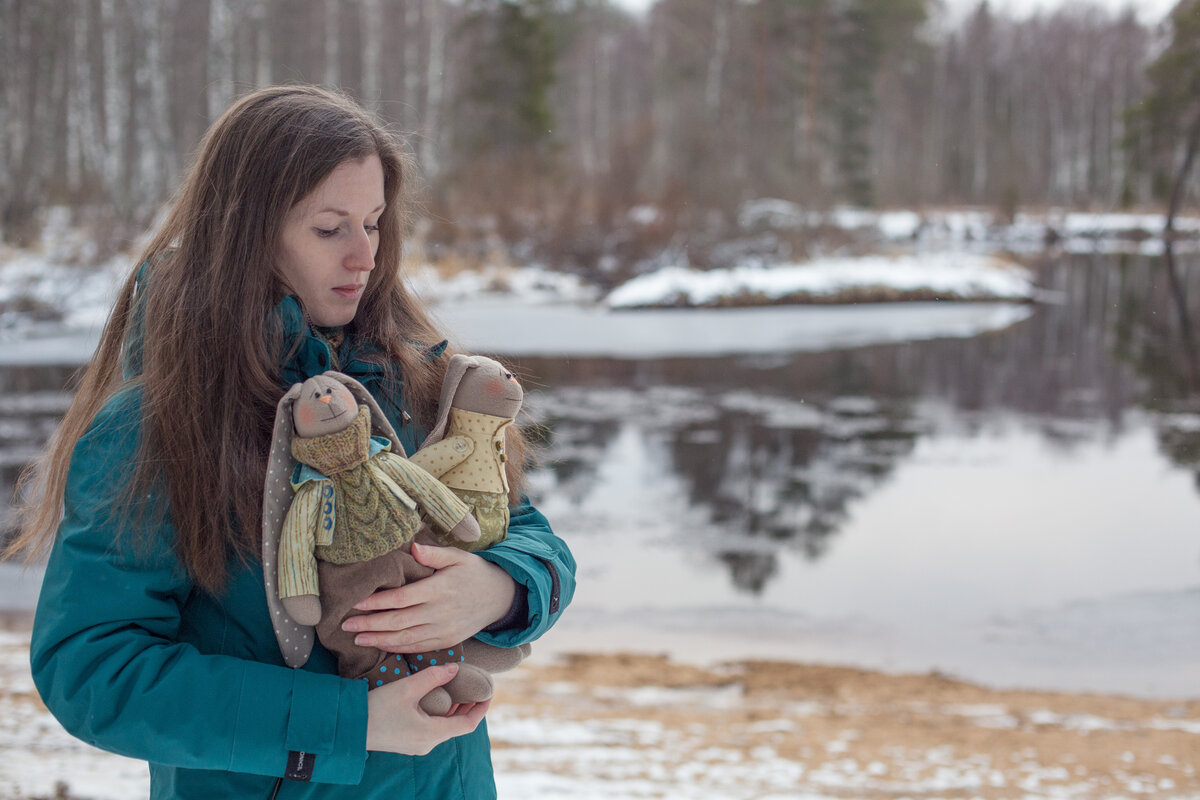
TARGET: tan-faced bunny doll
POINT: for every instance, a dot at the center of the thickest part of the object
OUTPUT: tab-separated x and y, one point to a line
466	448
466	451
355	505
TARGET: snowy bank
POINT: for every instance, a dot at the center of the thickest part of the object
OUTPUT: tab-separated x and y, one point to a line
934	276
979	229
533	285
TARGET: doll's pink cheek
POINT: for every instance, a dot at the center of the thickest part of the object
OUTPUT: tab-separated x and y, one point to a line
495	387
304	415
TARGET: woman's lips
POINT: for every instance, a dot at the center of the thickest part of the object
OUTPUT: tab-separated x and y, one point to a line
349	292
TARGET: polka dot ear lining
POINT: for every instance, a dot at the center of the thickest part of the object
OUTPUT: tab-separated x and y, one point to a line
295	641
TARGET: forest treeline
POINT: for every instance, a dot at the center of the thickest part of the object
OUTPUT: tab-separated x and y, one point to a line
540	125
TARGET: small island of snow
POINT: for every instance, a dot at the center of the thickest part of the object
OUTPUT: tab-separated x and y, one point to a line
929	276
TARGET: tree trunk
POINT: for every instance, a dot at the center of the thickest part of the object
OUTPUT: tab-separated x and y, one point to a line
1177	191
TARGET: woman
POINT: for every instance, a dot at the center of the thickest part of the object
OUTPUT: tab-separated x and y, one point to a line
279	260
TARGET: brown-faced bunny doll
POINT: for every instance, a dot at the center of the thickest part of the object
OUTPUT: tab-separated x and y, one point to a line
346	532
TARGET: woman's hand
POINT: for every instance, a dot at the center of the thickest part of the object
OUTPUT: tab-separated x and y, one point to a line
396	723
463	596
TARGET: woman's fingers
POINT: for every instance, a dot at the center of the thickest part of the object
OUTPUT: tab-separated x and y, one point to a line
388	599
417	639
416	592
396	723
422	683
384	621
437	557
464	595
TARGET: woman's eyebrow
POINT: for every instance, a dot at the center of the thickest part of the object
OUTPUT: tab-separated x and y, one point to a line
341	213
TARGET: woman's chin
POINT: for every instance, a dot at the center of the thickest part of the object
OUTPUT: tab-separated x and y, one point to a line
332	318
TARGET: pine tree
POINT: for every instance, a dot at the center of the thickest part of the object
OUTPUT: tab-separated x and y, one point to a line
866	30
509	76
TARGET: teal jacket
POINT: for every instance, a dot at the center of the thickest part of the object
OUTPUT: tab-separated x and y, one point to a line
132	658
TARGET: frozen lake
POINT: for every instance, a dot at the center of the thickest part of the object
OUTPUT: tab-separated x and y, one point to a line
1003	493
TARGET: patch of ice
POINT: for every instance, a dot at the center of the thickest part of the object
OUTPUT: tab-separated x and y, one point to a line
515	330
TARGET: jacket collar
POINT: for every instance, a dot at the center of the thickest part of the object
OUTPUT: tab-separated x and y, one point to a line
306	354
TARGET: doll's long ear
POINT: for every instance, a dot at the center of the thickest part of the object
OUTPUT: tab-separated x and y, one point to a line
379	421
459	364
295	640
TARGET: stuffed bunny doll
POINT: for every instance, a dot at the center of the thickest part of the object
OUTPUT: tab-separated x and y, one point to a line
466	448
466	451
346	532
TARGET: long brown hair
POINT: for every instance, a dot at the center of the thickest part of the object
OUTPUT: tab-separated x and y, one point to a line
210	345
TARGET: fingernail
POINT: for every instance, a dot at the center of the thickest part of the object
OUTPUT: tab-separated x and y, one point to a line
362	641
350	626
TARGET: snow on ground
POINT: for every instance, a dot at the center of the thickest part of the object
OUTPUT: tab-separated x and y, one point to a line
36	286
955	276
532	285
1072	231
619	727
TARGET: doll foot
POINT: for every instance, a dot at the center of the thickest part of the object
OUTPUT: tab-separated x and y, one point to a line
437	703
470	685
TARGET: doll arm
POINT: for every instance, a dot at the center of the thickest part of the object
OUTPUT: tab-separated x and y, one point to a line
440	457
438	502
297	564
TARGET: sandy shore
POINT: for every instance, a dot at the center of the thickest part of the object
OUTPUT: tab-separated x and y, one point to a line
585	726
760	729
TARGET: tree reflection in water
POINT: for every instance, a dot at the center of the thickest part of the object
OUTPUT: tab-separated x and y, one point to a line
777	451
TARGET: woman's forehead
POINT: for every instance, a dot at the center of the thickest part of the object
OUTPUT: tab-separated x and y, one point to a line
352	187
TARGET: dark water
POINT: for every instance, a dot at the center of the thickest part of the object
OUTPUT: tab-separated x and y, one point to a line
1020	506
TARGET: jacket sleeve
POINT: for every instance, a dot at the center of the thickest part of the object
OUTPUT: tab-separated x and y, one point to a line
541	562
107	659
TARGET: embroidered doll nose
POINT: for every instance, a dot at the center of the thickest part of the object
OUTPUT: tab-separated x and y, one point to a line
326	399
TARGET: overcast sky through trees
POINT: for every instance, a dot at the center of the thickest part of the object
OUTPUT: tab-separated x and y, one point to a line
1148	10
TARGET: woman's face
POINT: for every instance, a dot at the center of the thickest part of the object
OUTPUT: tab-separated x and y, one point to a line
327	248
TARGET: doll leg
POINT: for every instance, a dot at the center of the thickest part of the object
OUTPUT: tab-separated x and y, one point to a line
343	585
494	659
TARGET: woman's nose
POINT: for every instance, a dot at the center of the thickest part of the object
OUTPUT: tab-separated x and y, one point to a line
362	252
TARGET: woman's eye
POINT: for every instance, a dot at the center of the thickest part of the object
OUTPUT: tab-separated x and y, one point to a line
325	233
372	228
